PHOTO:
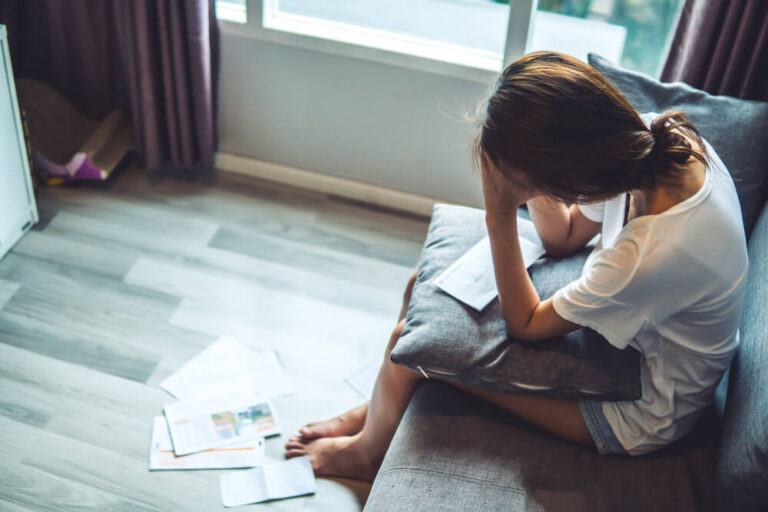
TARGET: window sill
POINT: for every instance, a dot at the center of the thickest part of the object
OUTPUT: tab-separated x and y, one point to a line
387	41
423	59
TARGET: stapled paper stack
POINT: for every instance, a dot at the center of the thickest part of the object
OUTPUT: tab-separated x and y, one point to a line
240	455
216	421
223	414
225	364
225	394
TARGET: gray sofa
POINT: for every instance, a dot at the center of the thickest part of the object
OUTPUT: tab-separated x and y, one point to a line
453	452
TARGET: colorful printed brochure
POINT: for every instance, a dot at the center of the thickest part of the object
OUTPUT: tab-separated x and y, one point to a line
162	458
216	421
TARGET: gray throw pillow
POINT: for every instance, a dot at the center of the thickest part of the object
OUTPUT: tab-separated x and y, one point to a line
446	339
735	128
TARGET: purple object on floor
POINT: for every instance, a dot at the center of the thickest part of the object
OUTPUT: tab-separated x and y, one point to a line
78	168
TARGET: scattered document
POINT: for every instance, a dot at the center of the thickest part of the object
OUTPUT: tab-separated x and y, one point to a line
240	455
471	278
227	362
197	425
293	477
266	384
363	379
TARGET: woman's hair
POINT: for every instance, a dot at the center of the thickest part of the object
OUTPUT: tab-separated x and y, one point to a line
573	135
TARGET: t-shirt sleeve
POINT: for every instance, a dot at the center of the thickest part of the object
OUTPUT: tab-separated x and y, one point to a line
602	298
593	211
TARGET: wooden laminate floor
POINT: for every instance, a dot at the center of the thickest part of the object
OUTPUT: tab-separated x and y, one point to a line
120	284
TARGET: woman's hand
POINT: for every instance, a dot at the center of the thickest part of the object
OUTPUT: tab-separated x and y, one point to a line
502	195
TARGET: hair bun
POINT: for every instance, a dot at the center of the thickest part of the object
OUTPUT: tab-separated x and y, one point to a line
669	144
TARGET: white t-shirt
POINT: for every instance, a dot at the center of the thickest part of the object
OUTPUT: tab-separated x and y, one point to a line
670	285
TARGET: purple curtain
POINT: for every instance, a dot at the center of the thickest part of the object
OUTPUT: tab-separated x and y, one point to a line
155	59
721	46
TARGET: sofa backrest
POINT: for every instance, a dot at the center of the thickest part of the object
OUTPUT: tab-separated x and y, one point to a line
742	467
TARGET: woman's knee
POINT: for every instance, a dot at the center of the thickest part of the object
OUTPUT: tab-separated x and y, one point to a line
409	286
402	372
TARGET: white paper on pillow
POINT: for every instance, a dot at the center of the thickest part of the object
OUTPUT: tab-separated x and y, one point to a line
471	278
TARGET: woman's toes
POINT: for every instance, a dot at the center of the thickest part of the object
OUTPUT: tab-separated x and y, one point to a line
339	456
294	445
349	423
310	425
295	449
289	454
313	430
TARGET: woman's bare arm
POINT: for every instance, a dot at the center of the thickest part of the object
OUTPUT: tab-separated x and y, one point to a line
562	230
526	316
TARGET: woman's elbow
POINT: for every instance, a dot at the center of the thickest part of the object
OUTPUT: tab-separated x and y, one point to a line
558	250
525	336
519	332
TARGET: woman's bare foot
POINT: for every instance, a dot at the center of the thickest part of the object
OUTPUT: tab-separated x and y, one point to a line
336	456
347	424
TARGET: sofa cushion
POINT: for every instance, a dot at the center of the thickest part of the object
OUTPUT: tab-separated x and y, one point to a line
735	128
445	338
454	452
742	470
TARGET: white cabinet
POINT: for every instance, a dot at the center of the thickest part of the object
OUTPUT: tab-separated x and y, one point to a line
18	211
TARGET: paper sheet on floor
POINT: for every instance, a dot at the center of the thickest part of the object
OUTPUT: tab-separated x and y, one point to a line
471	278
240	455
229	363
287	479
197	425
363	379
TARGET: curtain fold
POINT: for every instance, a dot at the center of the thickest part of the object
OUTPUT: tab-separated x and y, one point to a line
155	59
721	46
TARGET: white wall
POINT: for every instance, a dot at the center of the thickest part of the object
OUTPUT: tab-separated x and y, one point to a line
366	121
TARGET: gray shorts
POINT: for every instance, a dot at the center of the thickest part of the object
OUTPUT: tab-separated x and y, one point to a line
599	429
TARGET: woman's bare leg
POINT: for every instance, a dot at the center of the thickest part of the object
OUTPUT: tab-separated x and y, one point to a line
359	454
345	424
352	421
562	418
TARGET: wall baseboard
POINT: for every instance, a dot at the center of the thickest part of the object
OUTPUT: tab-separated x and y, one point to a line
327	184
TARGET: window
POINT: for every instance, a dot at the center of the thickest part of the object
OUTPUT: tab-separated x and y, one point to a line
649	25
479	34
468	32
231	10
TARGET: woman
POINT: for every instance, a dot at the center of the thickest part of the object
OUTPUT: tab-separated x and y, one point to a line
666	278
